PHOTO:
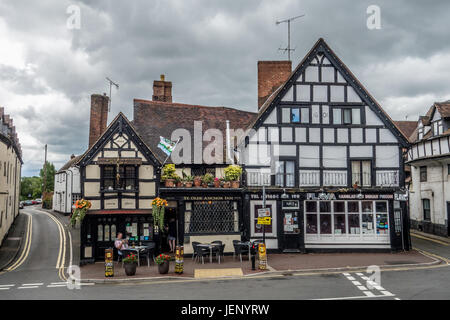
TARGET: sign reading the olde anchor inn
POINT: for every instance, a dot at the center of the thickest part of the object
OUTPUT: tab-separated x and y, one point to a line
210	198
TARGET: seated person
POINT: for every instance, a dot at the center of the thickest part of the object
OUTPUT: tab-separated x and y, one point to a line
120	243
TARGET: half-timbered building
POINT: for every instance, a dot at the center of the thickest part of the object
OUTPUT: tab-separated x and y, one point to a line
119	176
429	158
330	159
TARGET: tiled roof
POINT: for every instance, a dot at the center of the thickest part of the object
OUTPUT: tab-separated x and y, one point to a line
443	108
69	163
153	119
406	127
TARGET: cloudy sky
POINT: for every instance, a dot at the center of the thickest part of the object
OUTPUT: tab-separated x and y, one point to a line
209	50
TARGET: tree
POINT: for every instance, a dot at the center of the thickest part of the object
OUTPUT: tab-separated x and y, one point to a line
30	188
49	177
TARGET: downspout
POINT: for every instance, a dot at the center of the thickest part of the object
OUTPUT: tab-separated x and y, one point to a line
229	143
65	200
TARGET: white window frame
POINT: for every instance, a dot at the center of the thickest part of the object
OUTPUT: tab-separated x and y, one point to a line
254	203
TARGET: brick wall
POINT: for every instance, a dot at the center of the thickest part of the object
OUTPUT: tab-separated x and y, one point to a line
99	117
271	74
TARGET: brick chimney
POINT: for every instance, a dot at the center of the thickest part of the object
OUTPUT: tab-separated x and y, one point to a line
99	117
162	90
271	75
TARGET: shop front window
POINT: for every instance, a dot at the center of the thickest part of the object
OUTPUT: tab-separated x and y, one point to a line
311	223
353	224
325	224
339	224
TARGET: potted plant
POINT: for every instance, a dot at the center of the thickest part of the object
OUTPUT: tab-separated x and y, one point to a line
197	181
233	173
207	179
169	175
226	183
178	181
130	263
216	182
188	181
163	263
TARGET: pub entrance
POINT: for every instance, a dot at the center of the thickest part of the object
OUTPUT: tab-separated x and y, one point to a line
170	214
292	225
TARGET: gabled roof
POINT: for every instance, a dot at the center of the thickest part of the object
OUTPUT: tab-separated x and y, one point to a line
322	47
153	119
444	110
119	124
72	162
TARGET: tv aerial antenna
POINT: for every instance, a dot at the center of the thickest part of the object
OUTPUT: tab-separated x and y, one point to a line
288	21
111	83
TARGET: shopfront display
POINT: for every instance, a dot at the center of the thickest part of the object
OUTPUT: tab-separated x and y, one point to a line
349	222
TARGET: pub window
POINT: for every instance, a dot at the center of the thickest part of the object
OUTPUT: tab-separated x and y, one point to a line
127	178
258	227
423	174
211	217
285	173
426	209
300	115
361	173
201	171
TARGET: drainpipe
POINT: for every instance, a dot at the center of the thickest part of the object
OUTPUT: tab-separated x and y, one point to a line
229	156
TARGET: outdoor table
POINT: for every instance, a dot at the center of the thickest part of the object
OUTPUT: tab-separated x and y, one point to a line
138	249
209	246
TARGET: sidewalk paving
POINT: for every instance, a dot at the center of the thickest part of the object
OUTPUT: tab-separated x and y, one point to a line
430	235
278	263
13	241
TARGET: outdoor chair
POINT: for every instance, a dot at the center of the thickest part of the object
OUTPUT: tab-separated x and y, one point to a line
219	252
239	249
145	253
194	245
201	252
151	248
217	241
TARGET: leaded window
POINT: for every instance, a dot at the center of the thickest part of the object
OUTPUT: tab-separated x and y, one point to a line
211	217
122	178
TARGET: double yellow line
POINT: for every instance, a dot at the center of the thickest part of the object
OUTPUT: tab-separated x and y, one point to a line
27	246
62	246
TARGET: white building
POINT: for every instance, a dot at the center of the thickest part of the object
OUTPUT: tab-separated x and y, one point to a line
67	186
429	157
10	172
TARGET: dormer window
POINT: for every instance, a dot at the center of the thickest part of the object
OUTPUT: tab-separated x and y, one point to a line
438	128
420	133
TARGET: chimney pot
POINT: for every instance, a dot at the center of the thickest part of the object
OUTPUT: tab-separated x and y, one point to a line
72	156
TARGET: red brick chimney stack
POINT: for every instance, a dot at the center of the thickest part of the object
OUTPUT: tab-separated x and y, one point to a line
162	90
271	75
99	117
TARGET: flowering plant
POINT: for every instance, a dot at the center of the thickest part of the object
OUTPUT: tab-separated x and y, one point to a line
161	258
131	258
81	207
158	208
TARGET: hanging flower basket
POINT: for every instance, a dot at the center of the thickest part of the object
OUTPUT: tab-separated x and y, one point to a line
81	208
158	208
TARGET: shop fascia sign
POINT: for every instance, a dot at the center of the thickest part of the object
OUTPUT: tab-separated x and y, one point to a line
209	198
275	196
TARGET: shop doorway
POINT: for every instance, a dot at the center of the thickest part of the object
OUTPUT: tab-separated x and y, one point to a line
291	219
170	221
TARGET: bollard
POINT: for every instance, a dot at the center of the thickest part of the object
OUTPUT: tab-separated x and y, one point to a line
253	256
179	252
109	263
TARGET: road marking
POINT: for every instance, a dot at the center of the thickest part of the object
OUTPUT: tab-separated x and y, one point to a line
62	245
369	293
359	274
87	284
32	284
350	278
64	283
26	249
356	297
430	239
5	288
32	287
356	283
7	285
56	285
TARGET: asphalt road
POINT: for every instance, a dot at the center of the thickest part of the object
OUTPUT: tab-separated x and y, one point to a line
38	278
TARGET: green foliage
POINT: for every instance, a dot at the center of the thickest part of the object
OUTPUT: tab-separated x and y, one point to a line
30	186
161	258
50	176
233	173
168	172
188	178
208	178
131	258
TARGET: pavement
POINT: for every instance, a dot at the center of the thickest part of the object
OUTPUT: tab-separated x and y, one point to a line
278	264
13	241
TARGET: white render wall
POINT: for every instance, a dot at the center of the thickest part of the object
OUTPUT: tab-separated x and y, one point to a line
437	189
67	183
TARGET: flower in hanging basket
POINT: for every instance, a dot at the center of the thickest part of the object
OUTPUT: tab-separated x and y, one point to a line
158	208
81	208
